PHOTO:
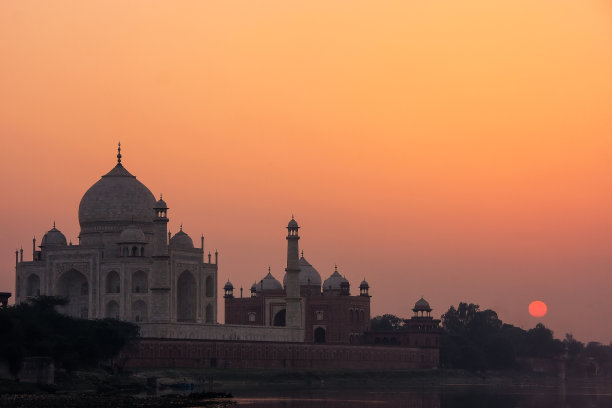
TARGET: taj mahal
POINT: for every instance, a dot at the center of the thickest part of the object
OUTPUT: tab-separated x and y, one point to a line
127	266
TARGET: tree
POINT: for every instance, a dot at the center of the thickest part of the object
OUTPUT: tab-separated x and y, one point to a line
387	322
35	328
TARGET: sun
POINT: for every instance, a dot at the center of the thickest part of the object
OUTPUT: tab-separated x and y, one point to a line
538	308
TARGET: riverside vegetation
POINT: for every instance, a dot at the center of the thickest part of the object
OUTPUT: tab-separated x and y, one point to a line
477	340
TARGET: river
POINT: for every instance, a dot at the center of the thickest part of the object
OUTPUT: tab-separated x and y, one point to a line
557	396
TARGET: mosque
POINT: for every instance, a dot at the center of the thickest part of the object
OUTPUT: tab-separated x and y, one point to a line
127	266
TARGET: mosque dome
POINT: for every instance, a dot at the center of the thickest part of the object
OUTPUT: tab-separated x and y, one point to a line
132	235
364	285
335	281
53	237
228	285
117	198
268	283
308	276
181	240
421	304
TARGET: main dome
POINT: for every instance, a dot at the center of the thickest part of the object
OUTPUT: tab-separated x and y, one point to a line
117	198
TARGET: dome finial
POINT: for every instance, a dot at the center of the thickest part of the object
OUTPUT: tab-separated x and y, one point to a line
181	227
119	153
161	196
53	223
302	253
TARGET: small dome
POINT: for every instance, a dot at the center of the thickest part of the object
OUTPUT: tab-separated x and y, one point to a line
161	204
228	285
293	224
364	285
268	283
53	237
180	240
309	276
422	304
254	287
335	281
132	235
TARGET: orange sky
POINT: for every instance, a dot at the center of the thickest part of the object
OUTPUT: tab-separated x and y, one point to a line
455	149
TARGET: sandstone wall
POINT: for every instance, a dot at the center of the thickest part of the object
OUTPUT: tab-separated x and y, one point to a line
164	353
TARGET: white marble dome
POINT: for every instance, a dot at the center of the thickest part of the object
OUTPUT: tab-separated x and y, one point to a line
132	235
181	240
334	281
308	276
53	237
117	198
269	282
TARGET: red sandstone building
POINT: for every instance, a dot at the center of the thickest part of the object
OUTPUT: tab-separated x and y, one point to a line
330	314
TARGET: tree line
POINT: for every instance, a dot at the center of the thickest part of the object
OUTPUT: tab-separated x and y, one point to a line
36	329
476	339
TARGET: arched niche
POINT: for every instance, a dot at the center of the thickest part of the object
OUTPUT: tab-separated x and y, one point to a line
139	311
111	310
319	335
209	314
33	285
74	286
186	300
210	288
113	283
279	318
140	282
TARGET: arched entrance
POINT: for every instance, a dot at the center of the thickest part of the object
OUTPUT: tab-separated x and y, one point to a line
209	313
112	282
279	318
112	310
210	289
186	303
319	335
33	285
140	282
74	286
139	311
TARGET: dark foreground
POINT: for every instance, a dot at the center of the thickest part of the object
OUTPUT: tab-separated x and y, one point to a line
109	401
309	389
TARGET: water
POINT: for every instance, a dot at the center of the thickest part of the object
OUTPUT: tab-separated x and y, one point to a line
561	396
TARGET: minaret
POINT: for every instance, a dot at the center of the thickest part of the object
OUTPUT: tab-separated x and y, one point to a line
160	280
294	303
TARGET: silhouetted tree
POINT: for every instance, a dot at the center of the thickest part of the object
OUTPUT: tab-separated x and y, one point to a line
35	328
387	322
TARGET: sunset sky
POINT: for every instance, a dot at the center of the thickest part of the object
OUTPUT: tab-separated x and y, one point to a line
451	149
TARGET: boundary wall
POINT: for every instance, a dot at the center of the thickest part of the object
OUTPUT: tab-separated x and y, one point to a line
172	353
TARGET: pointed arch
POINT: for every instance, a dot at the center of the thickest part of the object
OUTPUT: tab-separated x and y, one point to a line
112	310
319	335
280	318
210	287
209	314
113	283
33	285
74	286
186	301
139	311
140	282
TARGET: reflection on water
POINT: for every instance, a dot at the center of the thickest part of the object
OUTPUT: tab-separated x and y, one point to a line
443	397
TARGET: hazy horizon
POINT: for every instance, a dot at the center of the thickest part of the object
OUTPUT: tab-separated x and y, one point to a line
456	150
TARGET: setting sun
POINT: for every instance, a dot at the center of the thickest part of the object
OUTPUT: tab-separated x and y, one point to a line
538	308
